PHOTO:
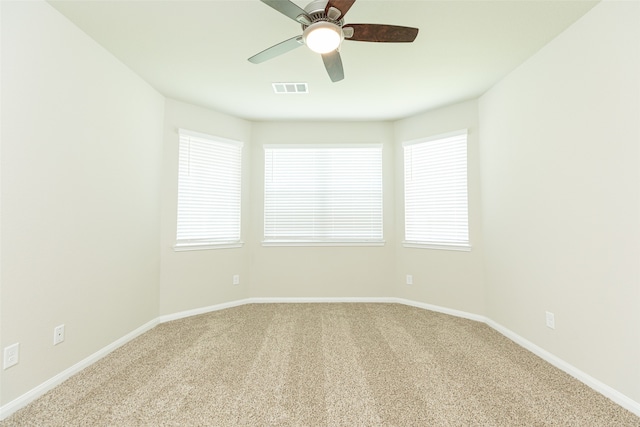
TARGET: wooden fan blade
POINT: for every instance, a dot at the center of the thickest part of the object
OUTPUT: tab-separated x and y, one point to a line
279	49
333	64
287	8
342	5
382	33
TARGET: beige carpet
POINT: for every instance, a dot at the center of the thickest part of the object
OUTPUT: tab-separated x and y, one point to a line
322	365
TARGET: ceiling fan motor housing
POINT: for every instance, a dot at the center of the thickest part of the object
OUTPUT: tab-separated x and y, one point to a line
316	11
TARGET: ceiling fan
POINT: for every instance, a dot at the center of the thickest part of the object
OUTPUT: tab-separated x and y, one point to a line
324	30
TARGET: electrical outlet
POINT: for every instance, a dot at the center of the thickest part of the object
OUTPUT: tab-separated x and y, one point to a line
58	334
409	279
11	355
551	320
236	279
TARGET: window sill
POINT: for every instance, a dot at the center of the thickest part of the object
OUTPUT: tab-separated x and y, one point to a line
183	247
321	243
444	247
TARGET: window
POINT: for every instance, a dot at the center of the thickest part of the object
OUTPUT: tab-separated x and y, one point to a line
209	184
435	192
323	195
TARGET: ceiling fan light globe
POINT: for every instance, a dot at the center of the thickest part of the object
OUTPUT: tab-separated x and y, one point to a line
323	37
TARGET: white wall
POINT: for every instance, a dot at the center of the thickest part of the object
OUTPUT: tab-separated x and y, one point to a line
80	167
195	279
560	161
320	271
452	279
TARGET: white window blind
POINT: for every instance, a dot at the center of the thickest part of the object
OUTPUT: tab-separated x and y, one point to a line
209	192
323	195
435	192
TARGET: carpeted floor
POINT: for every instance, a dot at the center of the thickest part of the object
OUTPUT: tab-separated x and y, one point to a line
322	365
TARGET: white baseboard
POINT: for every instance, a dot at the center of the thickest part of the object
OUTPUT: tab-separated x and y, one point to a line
607	391
38	391
202	310
439	309
277	300
595	384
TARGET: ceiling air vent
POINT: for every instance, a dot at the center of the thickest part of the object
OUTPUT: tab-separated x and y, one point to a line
290	88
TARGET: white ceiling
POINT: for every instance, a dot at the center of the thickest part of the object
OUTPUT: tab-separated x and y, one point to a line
196	51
